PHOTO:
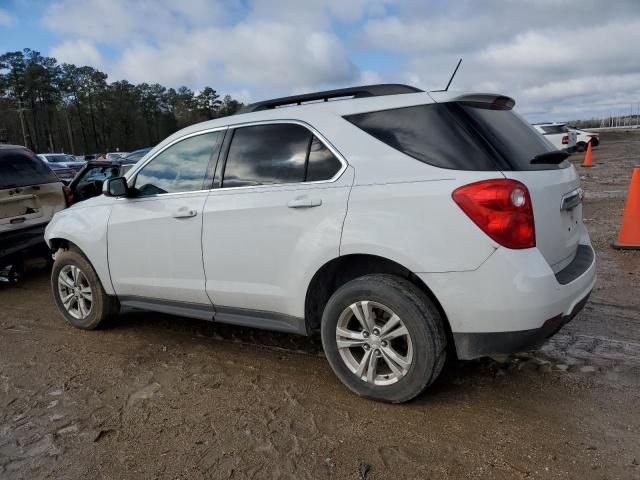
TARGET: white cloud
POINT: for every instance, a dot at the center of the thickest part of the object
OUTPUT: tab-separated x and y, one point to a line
6	19
550	58
175	45
78	52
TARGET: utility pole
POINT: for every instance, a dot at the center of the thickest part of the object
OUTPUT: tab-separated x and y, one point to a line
21	115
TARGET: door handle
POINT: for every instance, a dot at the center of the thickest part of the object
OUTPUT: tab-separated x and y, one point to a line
304	202
184	212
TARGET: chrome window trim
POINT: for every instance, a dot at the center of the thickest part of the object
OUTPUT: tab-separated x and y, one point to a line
134	171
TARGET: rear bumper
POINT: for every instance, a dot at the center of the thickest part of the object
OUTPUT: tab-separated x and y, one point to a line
18	241
513	301
475	345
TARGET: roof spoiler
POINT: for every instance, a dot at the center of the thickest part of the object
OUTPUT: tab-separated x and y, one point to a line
492	101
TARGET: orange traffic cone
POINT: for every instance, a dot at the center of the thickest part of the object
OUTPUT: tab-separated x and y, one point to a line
587	158
629	238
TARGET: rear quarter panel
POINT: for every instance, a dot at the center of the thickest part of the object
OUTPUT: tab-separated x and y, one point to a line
401	209
416	224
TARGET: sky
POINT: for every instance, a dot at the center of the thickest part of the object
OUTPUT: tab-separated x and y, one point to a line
560	60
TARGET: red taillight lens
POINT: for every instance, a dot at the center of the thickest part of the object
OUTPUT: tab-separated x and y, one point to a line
565	140
68	196
502	209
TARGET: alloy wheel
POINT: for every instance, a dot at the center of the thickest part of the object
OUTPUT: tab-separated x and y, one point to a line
75	292
374	343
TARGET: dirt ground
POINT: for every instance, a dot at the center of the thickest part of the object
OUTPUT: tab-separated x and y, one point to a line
156	396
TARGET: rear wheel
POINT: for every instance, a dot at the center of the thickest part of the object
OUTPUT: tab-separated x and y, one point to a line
581	146
383	338
78	292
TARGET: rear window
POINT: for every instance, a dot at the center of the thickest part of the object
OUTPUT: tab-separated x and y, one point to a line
458	136
512	137
59	158
554	129
20	168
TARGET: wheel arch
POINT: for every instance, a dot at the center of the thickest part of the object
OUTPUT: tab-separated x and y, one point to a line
340	270
57	242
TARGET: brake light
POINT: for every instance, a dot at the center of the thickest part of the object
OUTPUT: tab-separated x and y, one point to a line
502	209
565	140
68	196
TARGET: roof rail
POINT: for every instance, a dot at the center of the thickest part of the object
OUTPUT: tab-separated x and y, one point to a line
354	92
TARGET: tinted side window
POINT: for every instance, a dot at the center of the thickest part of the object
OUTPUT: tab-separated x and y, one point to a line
429	133
267	154
19	168
323	164
180	168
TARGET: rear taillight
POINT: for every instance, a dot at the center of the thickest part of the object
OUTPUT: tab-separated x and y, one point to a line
565	140
68	196
502	209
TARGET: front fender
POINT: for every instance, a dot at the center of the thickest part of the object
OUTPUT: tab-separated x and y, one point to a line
85	227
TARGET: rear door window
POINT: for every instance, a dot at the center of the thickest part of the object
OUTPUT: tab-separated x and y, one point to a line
20	168
277	154
267	155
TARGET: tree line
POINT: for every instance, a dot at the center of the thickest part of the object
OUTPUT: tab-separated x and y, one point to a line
52	107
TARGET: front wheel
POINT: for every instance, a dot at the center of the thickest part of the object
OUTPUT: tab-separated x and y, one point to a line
78	292
383	338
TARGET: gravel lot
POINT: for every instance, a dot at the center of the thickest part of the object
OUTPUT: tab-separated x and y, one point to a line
156	396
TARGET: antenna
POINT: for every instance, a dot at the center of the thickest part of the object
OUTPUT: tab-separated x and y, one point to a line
451	79
453	75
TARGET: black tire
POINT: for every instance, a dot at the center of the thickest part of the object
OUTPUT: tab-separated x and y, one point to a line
103	307
581	146
419	315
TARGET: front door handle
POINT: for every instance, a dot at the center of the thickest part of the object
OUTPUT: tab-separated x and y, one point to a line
304	202
184	212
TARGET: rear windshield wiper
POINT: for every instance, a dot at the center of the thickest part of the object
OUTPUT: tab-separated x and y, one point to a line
555	157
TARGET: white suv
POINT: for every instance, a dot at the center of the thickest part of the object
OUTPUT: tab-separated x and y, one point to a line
395	222
559	135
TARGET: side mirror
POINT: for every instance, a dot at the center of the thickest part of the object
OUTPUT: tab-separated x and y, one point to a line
115	187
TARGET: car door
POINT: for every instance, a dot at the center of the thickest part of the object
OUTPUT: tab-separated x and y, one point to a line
274	220
154	237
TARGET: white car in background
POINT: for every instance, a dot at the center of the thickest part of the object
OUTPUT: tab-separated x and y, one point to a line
584	138
398	224
559	135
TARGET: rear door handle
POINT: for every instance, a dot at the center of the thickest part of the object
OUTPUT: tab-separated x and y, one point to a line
184	212
304	202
